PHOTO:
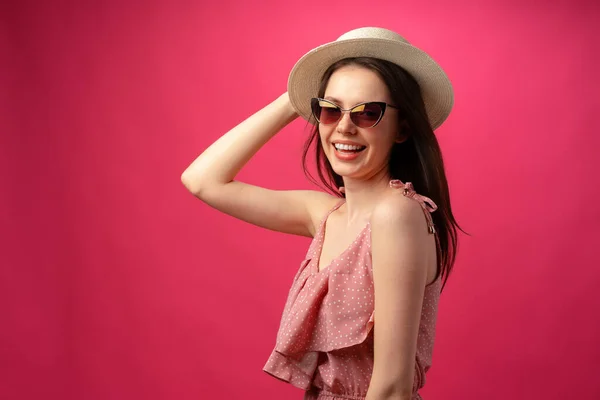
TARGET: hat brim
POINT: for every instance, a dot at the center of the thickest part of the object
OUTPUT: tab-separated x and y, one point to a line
436	89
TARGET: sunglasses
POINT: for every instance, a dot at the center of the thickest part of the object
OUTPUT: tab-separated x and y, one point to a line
363	115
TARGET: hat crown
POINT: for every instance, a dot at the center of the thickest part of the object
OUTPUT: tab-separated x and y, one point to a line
372	33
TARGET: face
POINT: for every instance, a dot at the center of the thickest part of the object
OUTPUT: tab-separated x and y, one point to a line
347	87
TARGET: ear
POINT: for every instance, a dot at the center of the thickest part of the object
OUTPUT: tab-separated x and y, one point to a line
400	138
403	133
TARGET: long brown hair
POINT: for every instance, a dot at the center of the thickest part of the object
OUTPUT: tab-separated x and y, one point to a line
418	159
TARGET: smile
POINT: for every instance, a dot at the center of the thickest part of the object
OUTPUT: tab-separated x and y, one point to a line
347	152
348	148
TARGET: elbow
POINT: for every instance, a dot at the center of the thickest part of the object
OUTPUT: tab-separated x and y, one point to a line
192	183
201	185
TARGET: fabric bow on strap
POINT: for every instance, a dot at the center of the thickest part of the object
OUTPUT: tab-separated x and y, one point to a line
409	190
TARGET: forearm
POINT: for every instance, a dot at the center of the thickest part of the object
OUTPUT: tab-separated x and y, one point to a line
220	162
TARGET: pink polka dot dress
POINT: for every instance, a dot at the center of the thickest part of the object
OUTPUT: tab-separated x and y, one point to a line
325	340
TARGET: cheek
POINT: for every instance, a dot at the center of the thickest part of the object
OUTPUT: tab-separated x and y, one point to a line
324	134
384	138
388	134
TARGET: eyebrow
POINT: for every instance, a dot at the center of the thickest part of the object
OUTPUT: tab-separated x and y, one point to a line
332	99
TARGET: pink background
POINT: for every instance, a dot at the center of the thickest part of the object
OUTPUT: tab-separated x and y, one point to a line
118	284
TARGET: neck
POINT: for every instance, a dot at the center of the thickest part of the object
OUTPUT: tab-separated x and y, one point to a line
362	195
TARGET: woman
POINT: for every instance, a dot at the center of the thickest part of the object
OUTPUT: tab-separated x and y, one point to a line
378	254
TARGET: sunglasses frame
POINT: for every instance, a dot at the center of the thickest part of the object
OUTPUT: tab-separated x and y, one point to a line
381	104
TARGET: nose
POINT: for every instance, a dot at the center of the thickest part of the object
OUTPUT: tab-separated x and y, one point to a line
345	125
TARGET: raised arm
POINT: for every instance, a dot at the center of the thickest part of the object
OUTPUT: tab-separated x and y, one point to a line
211	177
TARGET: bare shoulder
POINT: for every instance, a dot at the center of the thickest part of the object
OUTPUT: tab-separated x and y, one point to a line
397	211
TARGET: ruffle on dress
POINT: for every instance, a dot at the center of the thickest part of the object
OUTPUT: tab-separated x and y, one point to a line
325	310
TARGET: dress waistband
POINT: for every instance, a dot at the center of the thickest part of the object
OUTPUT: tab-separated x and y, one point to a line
322	394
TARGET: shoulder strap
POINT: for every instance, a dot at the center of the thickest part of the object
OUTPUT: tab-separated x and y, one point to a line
426	203
338	205
315	242
324	219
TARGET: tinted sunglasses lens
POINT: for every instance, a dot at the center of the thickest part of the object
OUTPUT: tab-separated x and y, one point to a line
325	112
366	115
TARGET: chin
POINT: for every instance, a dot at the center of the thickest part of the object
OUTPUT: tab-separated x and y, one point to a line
347	171
345	168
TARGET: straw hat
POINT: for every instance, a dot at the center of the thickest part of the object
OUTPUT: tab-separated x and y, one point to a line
436	89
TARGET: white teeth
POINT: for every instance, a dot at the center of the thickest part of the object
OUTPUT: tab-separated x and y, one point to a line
340	146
